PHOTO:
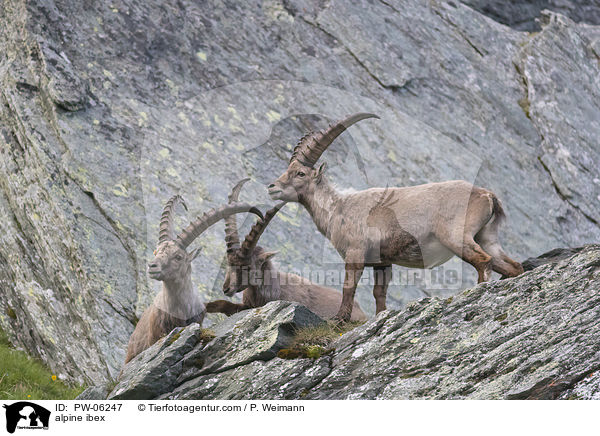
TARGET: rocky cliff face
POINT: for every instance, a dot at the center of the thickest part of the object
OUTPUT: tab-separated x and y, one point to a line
524	15
532	337
106	110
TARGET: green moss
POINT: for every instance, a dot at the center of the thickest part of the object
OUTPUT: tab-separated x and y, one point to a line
24	378
174	338
501	317
112	385
323	334
206	335
11	313
314	342
289	353
525	106
314	351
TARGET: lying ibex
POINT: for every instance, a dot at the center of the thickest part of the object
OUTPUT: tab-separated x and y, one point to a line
419	226
249	269
177	304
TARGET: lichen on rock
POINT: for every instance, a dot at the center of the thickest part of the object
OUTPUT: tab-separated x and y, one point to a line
531	337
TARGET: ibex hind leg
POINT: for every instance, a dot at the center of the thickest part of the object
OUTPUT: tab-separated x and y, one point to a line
476	256
472	253
501	263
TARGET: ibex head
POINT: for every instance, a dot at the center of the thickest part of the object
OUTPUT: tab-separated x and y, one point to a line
243	261
171	262
301	176
171	259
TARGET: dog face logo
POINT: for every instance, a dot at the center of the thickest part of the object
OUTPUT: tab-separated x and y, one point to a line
26	415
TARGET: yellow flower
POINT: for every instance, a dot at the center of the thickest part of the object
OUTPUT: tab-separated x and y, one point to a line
53	378
28	396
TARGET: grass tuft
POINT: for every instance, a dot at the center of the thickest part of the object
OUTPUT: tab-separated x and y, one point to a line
25	378
206	335
314	342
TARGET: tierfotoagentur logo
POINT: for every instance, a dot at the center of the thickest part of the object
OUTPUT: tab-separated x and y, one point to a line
26	415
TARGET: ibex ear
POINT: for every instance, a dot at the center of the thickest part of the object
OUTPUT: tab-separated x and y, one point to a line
195	253
266	255
320	172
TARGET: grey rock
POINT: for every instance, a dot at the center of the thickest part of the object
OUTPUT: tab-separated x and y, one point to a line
94	393
158	367
588	388
525	15
530	337
106	111
551	256
254	335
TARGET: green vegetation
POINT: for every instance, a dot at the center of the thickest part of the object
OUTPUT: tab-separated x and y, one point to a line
206	335
24	378
314	342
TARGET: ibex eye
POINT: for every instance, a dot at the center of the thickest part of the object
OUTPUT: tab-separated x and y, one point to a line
301	174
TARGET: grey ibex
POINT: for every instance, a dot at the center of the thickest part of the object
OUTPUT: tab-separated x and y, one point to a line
419	226
249	269
177	304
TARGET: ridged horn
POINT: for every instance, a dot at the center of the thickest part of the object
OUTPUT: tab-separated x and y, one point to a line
311	146
165	230
196	228
232	238
257	230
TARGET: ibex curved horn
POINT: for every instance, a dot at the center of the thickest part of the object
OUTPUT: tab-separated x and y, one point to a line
165	232
311	146
232	239
257	230
195	229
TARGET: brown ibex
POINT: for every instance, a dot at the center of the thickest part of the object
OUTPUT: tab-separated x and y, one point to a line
419	226
177	304
249	269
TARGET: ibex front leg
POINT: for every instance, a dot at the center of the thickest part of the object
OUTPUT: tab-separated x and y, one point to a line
383	276
354	270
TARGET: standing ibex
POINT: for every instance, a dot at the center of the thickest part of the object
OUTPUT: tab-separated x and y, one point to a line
249	269
177	304
420	226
